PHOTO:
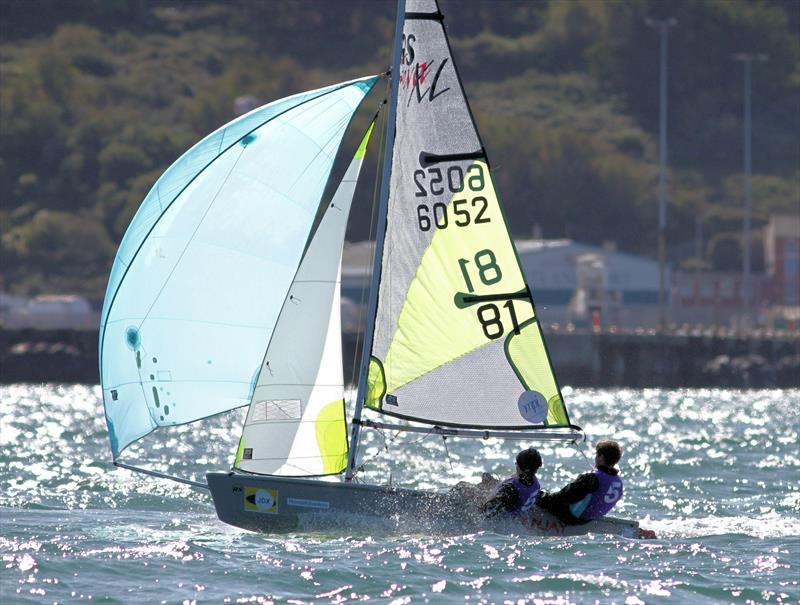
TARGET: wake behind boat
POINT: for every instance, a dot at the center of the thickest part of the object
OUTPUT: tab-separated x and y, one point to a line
225	294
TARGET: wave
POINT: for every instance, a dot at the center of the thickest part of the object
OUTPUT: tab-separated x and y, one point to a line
770	525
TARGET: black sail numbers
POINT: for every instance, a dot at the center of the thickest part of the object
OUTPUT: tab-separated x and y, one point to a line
464	210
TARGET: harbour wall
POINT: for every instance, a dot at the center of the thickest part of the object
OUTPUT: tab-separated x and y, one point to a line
679	358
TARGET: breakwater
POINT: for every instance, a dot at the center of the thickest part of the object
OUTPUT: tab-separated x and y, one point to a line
675	358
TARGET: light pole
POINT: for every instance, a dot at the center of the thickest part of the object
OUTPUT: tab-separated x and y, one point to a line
662	27
747	60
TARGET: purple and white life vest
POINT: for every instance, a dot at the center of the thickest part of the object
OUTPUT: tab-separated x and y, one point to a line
526	494
604	497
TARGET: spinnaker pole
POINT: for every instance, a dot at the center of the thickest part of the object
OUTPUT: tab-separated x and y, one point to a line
379	239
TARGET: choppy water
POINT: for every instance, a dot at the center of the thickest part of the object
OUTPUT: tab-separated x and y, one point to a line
714	472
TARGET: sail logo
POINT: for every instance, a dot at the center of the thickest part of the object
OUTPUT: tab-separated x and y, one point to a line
407	53
413	78
532	407
260	500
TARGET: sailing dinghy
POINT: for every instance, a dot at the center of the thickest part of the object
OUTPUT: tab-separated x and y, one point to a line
225	293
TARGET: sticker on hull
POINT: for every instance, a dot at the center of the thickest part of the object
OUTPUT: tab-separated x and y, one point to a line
306	503
260	500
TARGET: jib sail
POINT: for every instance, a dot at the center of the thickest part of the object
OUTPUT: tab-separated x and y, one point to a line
296	421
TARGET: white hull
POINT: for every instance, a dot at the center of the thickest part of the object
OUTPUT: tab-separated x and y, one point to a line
275	504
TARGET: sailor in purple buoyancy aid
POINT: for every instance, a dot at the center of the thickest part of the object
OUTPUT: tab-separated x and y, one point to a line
592	495
518	493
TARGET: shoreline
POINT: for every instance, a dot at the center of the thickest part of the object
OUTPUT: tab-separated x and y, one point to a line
582	359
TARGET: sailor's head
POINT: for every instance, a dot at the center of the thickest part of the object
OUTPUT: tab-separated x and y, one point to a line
607	453
528	462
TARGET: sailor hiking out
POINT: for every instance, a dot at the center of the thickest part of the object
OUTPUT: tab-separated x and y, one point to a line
592	495
517	494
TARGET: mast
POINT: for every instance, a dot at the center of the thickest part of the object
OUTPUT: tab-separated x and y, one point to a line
379	239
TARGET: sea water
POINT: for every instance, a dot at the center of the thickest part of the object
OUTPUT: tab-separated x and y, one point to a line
713	472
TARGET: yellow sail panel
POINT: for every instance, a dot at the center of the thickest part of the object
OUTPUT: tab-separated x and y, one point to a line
471	257
376	384
527	354
332	437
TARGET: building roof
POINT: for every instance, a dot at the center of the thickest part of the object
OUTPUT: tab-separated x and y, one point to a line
547	263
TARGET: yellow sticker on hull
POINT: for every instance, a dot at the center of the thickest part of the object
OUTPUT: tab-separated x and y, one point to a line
260	500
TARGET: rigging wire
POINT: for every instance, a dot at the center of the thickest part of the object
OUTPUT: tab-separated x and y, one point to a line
370	233
367	263
581	452
386	445
447	452
381	451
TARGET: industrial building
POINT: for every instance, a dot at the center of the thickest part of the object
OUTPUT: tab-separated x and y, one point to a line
572	283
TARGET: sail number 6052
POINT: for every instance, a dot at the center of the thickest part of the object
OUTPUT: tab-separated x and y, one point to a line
454	182
462	212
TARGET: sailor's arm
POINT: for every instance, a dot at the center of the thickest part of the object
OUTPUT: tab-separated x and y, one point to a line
502	501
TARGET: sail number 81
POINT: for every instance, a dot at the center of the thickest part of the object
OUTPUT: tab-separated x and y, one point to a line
489	316
488	269
489	273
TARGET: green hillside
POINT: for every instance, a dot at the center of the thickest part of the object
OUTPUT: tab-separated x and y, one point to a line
98	97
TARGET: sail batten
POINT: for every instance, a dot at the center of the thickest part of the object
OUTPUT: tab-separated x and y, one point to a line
522	433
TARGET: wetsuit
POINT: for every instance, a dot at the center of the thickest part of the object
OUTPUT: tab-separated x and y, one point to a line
513	496
591	496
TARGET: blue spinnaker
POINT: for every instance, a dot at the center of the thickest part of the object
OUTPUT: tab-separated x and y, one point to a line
204	266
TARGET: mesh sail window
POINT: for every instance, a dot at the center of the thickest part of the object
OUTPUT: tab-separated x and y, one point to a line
205	265
456	341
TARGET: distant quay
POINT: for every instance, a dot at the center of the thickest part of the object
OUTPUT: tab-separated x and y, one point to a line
681	357
30	355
